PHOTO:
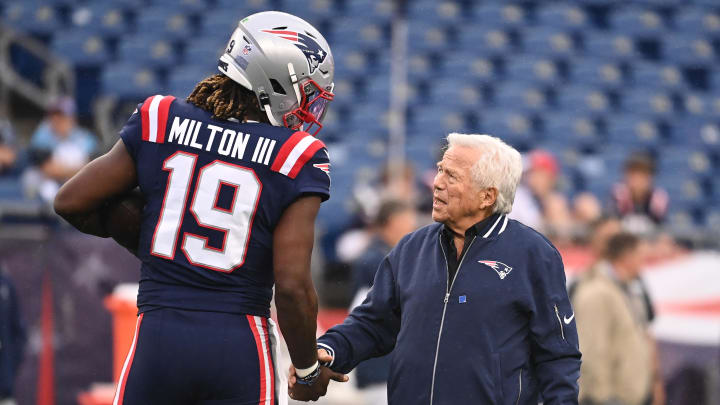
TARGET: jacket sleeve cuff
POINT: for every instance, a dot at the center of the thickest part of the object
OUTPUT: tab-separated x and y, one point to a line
330	351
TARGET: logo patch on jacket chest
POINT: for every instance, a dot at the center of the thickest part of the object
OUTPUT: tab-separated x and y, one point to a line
500	268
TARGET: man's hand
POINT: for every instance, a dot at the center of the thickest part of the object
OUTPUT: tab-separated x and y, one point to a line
313	392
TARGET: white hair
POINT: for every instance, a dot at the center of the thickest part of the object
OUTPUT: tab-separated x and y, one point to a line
499	166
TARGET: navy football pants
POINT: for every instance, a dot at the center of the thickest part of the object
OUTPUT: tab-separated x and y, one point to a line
183	357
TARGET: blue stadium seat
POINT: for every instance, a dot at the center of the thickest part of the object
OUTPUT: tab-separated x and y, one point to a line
33	17
186	6
437	121
350	30
698	20
578	99
182	81
220	23
433	11
423	37
315	12
421	67
10	188
572	129
370	117
154	53
686	193
565	16
499	15
549	41
166	24
456	93
679	160
540	70
637	21
130	82
377	90
107	19
701	133
648	102
599	73
370	10
688	50
702	105
241	9
633	130
83	48
204	51
610	46
521	97
484	42
468	65
512	127
652	75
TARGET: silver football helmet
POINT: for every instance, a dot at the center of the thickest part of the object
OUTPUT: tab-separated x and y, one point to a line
287	63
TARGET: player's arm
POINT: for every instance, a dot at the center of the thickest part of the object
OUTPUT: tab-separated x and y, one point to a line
80	200
295	296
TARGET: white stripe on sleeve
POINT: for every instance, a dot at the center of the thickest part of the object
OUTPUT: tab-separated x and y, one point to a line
153	118
295	154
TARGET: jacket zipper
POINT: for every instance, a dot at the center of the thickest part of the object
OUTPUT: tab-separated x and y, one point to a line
557	314
449	285
520	391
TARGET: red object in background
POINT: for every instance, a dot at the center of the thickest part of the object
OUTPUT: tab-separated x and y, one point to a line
46	371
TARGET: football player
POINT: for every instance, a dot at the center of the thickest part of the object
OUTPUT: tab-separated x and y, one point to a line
232	179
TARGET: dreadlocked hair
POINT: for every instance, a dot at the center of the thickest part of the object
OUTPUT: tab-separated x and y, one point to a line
226	99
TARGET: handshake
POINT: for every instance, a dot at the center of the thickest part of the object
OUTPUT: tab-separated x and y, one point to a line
312	392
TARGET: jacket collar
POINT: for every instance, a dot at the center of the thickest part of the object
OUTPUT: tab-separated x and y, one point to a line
489	227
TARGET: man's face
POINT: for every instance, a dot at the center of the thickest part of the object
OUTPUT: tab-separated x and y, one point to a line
61	124
639	181
634	259
455	194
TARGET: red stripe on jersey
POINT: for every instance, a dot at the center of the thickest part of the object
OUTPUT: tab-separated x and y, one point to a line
286	149
261	357
307	155
145	118
163	110
270	360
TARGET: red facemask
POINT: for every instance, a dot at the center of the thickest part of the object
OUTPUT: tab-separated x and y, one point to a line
313	105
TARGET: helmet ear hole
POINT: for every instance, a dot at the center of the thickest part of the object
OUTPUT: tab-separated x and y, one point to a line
277	87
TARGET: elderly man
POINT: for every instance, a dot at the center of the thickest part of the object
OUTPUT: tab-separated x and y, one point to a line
474	307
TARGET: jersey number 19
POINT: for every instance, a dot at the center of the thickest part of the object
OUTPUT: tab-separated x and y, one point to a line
235	223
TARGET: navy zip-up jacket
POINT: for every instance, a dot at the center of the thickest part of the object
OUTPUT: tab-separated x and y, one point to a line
503	332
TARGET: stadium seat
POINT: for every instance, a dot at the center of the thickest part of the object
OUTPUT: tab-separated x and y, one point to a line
577	99
83	48
366	10
647	102
637	21
219	23
130	82
108	20
153	53
468	65
430	12
368	35
539	70
240	9
598	73
514	128
702	105
499	15
437	121
688	50
423	37
182	81
650	75
572	130
204	51
684	160
370	117
158	23
686	193
549	41
632	130
698	20
484	42
521	97
610	46
456	93
33	17
186	6
564	15
420	67
701	133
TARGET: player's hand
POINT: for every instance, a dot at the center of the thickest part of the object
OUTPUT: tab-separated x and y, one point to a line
301	392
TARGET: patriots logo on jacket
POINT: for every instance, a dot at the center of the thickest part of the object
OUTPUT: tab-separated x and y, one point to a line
500	268
314	54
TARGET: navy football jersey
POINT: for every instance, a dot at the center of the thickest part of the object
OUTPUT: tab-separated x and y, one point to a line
214	190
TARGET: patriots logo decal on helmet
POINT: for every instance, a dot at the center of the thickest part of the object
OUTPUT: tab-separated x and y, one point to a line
314	54
500	268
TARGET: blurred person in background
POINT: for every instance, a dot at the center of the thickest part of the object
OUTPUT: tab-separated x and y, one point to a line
636	200
394	220
12	338
586	210
538	203
613	313
8	148
59	148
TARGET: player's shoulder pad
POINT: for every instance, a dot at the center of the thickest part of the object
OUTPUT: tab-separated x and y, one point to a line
297	150
154	116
